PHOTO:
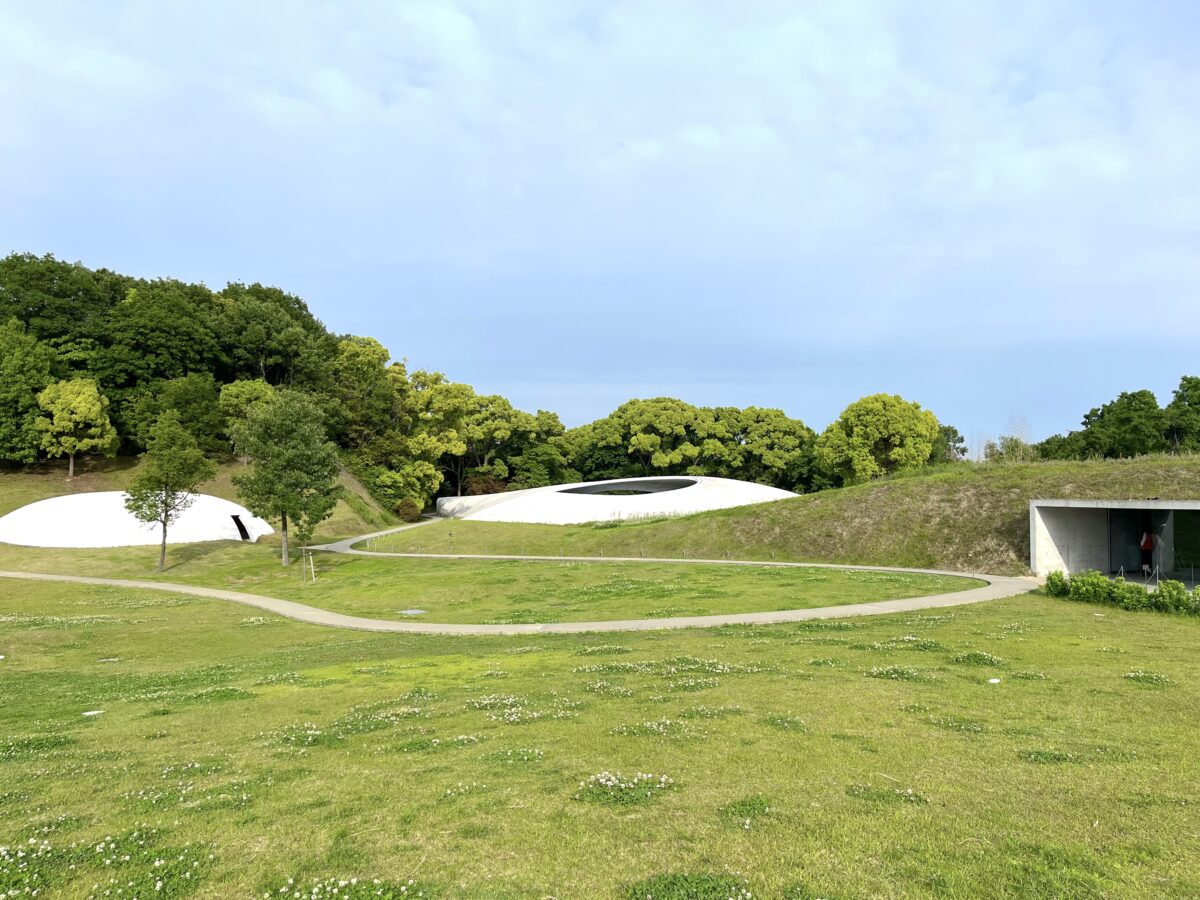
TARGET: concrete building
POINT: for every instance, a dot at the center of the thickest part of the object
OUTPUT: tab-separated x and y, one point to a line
1105	535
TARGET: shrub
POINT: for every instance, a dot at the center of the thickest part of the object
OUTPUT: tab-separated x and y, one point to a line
1056	584
1090	587
1171	596
1193	603
477	485
1130	596
408	510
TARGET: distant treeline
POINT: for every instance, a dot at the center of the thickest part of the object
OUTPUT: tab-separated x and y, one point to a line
1131	425
91	359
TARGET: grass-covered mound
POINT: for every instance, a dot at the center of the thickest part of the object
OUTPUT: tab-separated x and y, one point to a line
230	754
966	517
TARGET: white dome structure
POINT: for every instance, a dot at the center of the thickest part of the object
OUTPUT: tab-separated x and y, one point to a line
100	519
616	499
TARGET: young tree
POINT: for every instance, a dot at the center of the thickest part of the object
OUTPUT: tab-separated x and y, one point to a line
173	468
77	421
25	365
875	436
1011	448
294	467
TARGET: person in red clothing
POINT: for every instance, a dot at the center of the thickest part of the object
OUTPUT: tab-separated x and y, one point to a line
1147	546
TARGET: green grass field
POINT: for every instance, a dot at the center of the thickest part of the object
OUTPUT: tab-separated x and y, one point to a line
155	745
492	591
829	759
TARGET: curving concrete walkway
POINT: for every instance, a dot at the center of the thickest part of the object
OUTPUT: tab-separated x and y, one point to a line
997	586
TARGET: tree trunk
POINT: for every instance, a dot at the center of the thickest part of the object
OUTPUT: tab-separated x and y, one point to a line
162	550
70	466
283	530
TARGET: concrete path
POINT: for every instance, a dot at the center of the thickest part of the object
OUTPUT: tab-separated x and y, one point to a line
997	587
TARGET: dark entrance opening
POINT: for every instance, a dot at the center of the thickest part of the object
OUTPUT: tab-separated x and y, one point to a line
237	520
1125	530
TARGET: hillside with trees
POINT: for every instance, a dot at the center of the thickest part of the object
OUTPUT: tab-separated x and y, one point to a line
91	361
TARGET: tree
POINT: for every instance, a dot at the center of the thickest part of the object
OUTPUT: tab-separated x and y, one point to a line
404	460
237	397
756	444
25	366
1131	425
364	395
294	467
547	460
173	468
195	398
1183	416
77	421
877	435
493	432
950	446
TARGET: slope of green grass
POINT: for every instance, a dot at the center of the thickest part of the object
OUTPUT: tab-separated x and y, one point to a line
967	518
232	752
355	513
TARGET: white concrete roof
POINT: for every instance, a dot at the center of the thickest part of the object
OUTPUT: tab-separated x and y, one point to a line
589	501
1150	503
100	519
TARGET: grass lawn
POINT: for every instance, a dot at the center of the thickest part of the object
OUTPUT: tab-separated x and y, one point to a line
836	759
497	591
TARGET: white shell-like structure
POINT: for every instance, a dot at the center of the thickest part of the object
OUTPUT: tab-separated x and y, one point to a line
100	519
617	499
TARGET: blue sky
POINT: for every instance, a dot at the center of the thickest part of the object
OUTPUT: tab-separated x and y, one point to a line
990	208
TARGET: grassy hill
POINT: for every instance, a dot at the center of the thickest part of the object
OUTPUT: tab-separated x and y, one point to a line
356	512
964	518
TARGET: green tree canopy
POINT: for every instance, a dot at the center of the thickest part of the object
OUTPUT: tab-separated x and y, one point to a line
1183	416
76	421
950	446
237	397
404	460
670	437
195	398
25	370
1131	425
364	395
173	468
293	466
874	436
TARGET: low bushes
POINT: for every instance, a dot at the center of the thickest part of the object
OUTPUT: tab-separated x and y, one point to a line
1094	587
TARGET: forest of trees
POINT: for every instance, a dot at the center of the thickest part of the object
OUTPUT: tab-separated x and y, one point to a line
92	361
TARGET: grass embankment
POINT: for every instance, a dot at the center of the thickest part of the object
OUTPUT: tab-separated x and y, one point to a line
355	513
502	592
827	759
966	518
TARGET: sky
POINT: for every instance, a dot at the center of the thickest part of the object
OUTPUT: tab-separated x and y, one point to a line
992	208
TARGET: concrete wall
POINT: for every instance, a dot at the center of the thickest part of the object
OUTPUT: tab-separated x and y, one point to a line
1067	539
